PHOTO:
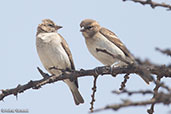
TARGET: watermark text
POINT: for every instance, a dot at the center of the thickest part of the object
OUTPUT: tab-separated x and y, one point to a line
16	110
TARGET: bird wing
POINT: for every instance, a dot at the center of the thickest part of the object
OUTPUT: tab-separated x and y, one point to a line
67	50
114	39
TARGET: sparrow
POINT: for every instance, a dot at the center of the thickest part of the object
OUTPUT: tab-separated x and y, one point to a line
106	47
53	51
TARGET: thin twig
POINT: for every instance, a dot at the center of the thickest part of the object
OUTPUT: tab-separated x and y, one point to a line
166	51
160	98
151	110
123	84
94	88
151	3
143	92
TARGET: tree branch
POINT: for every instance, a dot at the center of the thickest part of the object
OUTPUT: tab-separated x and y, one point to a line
143	92
157	70
93	94
160	98
151	110
166	51
151	3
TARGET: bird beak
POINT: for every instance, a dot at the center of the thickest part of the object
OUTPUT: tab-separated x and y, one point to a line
82	29
58	27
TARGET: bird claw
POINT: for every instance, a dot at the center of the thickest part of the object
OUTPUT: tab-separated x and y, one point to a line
116	64
96	71
55	68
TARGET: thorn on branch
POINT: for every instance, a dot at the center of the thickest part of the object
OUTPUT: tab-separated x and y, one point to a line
44	75
16	91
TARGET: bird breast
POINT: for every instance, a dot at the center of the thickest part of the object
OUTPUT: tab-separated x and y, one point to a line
51	52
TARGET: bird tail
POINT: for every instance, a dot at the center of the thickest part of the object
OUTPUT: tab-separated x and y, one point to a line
144	74
75	93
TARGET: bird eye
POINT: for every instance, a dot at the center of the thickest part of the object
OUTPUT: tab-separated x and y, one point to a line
89	27
50	25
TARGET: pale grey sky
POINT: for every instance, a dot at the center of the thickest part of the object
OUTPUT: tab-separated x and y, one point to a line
141	28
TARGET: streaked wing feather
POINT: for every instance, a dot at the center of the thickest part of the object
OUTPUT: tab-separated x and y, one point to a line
114	39
66	48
